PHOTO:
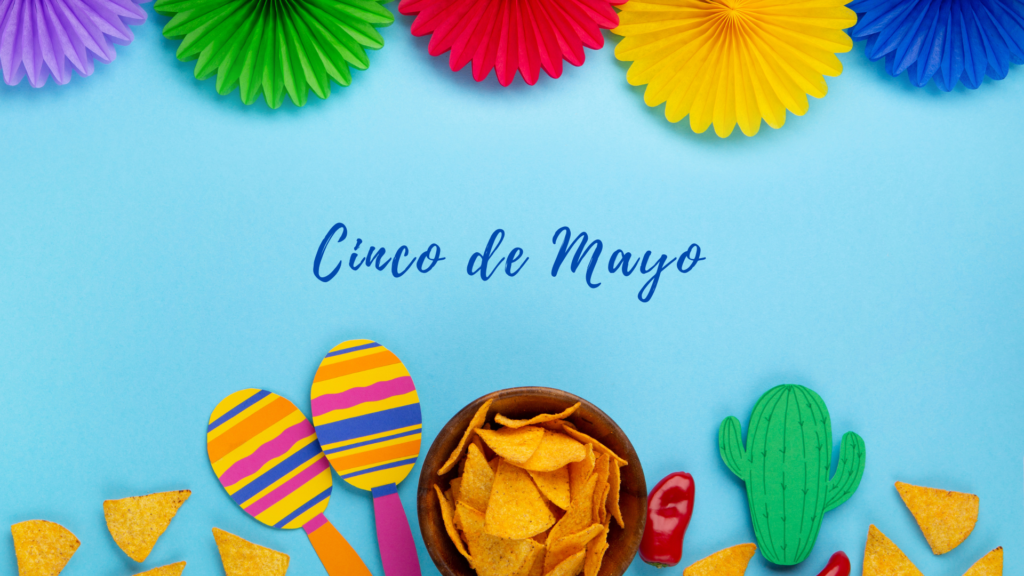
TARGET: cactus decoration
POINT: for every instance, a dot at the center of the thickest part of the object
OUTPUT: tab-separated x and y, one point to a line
785	466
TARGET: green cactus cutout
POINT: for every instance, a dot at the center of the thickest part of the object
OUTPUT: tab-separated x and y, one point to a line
785	466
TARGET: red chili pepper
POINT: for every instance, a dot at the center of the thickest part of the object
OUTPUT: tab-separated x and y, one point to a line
669	508
838	565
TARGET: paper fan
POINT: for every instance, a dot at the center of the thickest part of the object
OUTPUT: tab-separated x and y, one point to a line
273	46
37	37
511	35
733	61
951	40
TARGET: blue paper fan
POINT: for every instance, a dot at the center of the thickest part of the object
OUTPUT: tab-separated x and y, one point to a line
952	40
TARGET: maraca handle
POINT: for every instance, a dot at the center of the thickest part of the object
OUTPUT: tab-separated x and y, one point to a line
397	548
334	551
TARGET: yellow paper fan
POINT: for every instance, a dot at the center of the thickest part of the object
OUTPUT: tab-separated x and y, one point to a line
733	61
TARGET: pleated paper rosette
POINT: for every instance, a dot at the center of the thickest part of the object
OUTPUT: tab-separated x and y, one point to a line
948	40
39	38
730	62
512	35
276	46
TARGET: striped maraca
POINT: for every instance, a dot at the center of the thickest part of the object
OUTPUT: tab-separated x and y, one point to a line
367	415
267	457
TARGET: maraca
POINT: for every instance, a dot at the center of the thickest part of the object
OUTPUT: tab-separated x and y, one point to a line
266	455
367	416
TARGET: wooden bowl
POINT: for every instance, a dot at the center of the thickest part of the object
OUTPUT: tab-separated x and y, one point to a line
524	403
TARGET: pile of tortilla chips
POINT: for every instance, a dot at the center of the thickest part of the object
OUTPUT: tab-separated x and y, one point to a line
535	497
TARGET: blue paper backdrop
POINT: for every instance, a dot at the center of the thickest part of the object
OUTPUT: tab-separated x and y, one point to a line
156	248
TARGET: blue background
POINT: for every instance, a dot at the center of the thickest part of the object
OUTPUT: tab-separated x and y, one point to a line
156	246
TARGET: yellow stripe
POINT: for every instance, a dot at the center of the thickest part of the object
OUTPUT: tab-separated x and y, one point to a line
213	434
376	446
359	379
382	478
290	503
368	408
298	446
251	445
373	465
280	481
327	447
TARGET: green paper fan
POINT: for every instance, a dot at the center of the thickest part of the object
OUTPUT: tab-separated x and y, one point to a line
271	46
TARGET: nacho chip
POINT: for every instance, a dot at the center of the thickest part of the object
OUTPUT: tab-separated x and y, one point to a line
729	562
579	472
475	488
595	553
991	564
571	566
493	463
538	563
553	425
554	485
516	508
883	558
530	565
504	421
569	545
614	490
476	422
580	513
42	548
170	570
243	558
448	516
516	445
598	447
492	555
946	518
600	503
555	450
455	486
136	523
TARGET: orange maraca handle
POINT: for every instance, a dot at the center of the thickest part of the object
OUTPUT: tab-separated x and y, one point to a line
334	551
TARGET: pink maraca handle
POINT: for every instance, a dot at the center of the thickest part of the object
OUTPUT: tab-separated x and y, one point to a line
397	548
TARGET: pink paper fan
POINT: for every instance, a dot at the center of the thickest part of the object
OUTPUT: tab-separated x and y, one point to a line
37	36
511	35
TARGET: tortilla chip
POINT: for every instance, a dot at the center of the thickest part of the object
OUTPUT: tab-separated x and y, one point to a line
991	564
595	553
516	508
504	421
553	425
243	558
455	487
614	490
580	513
729	562
571	566
492	555
579	472
136	523
475	488
448	516
493	463
169	570
572	431
530	565
538	563
42	548
516	445
554	486
946	518
600	502
555	450
476	422
569	545
883	558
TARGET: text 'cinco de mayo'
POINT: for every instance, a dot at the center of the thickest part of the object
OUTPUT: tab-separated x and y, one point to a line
572	253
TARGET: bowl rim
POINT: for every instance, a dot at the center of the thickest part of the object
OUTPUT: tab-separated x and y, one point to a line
425	484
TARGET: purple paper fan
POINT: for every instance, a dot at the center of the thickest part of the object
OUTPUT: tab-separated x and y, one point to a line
38	36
